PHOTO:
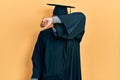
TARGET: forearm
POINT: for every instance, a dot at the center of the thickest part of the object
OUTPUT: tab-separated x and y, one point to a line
55	20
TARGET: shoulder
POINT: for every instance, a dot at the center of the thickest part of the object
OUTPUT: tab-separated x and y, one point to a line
45	33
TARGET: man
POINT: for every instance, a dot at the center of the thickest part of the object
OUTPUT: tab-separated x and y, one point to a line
56	54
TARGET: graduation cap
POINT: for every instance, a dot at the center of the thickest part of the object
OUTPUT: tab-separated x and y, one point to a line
60	9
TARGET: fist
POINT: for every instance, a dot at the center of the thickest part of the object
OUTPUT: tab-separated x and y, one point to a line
46	22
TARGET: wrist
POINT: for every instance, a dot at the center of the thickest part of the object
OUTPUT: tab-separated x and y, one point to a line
56	19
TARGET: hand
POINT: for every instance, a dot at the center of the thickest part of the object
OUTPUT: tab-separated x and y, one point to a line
46	22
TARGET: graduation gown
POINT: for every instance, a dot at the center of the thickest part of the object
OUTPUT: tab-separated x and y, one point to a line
58	57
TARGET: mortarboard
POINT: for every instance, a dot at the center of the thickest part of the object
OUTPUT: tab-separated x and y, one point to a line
60	9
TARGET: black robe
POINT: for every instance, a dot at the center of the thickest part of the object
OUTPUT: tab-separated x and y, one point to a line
58	57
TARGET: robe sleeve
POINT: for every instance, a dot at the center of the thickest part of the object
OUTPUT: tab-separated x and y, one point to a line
72	27
37	58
